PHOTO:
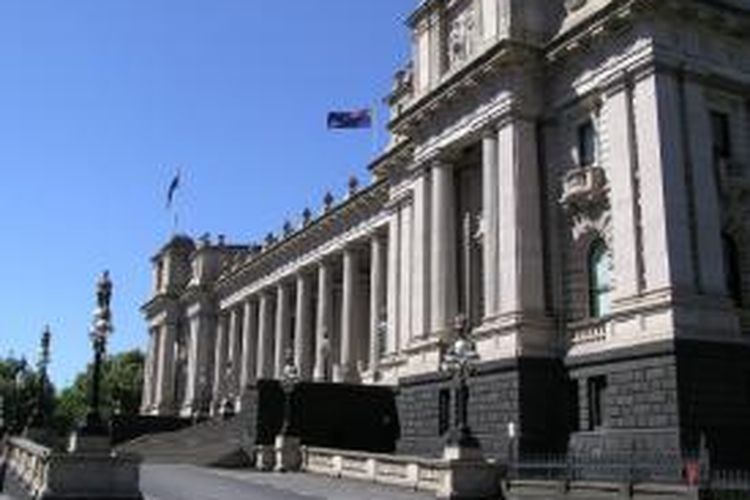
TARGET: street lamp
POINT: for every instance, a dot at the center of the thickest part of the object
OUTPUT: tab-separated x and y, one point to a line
458	361
100	330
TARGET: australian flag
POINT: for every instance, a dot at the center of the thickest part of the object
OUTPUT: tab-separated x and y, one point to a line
361	118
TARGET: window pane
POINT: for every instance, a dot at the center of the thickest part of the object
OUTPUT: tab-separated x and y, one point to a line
586	144
600	277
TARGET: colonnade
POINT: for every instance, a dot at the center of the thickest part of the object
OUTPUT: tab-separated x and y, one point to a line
325	318
372	296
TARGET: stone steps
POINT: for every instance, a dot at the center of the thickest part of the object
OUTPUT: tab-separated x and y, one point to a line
211	443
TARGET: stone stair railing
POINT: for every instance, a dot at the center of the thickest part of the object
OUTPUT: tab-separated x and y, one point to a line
26	466
419	473
37	472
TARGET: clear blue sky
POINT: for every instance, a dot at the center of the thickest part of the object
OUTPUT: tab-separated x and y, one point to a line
100	102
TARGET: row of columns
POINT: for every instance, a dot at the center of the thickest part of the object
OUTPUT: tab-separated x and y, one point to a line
254	338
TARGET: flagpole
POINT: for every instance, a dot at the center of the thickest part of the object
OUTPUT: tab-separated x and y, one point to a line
374	133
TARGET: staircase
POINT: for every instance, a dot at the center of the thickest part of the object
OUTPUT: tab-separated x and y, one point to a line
217	443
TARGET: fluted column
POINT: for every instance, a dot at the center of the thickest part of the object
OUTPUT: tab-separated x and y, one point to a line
265	337
490	222
323	330
443	249
220	362
393	304
149	376
377	297
234	355
303	330
349	316
249	345
283	322
165	385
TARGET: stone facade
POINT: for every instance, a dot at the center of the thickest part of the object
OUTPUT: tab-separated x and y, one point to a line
573	175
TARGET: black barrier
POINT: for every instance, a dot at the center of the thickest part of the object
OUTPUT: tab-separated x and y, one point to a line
350	417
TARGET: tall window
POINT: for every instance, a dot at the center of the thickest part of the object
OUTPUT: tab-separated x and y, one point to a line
597	387
444	411
586	144
732	270
600	280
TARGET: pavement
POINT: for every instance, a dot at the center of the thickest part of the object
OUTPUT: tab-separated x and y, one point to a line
186	482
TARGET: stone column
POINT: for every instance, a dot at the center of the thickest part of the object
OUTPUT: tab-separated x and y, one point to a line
349	316
283	323
520	250
443	249
490	214
617	115
664	196
265	337
303	330
708	216
377	297
393	281
323	325
220	362
249	345
149	375
234	356
420	266
165	384
200	380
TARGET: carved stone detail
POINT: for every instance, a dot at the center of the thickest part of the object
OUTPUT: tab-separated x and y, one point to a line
462	35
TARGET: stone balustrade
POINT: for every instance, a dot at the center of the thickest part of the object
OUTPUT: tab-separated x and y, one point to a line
418	473
26	465
588	331
34	471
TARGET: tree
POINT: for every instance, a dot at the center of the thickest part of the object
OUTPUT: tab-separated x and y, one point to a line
121	386
19	392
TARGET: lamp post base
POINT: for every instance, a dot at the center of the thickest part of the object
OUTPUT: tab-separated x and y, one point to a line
288	453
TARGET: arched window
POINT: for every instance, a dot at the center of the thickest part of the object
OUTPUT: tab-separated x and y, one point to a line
732	269
600	280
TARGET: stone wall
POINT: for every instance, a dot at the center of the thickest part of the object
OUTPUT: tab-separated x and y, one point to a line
529	393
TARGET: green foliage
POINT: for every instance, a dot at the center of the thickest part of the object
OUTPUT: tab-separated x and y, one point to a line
121	386
19	392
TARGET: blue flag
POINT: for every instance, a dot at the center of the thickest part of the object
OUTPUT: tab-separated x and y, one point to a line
361	118
172	188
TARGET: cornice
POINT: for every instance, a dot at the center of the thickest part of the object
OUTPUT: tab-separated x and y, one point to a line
483	67
360	206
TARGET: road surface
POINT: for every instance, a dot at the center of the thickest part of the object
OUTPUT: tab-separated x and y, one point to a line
183	482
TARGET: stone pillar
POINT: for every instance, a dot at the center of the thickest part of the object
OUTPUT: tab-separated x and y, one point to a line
393	288
350	316
265	337
283	323
708	216
377	297
420	264
220	362
323	327
443	249
149	375
490	262
303	329
165	380
621	171
520	253
249	345
664	197
234	356
198	390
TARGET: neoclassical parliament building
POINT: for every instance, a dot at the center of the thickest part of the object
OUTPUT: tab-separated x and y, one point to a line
572	176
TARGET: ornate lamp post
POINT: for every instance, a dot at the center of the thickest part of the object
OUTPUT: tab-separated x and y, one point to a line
458	361
100	331
39	416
